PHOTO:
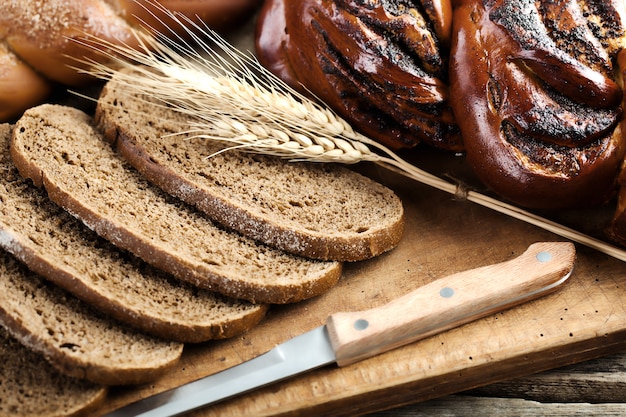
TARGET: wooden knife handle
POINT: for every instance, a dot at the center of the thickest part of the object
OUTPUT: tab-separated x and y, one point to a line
451	301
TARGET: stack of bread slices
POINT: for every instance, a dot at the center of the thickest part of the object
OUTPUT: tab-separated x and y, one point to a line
122	242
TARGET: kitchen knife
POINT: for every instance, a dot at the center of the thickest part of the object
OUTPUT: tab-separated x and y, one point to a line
349	337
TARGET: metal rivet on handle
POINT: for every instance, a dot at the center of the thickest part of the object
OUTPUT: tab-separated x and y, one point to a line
446	292
544	256
361	324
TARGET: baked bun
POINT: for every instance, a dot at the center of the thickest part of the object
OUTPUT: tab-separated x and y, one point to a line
537	98
381	65
43	34
220	15
40	37
20	86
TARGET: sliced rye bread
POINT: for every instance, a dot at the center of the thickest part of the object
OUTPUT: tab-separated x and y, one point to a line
322	211
30	386
61	249
58	147
75	338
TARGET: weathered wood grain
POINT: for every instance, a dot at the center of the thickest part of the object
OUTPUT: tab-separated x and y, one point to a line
592	388
463	406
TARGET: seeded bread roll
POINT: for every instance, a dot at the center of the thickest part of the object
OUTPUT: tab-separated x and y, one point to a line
30	386
72	336
60	248
41	35
59	148
320	211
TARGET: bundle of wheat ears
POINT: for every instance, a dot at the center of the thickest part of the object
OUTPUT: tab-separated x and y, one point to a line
234	99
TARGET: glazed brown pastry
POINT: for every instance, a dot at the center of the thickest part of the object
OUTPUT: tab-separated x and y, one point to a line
537	98
381	64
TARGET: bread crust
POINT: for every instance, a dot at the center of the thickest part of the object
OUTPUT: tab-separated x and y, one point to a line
26	374
176	175
281	279
170	328
51	322
113	275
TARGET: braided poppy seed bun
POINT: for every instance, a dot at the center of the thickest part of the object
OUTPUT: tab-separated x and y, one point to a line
382	65
538	100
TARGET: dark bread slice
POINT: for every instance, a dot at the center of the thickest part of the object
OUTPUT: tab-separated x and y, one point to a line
58	147
322	211
61	249
30	386
75	338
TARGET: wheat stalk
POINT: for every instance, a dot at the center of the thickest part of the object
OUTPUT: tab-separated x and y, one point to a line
232	98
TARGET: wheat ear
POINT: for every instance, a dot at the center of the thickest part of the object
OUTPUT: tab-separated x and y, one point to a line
231	98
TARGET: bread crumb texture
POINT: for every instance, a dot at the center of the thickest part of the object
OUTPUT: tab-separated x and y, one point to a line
63	250
74	337
320	210
32	387
116	201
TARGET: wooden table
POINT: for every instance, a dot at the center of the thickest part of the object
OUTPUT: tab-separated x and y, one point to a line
592	388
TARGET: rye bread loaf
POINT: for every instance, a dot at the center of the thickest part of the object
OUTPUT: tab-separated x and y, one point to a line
58	147
322	211
30	386
73	336
61	249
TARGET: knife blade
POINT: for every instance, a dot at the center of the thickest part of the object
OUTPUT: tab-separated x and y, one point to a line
349	337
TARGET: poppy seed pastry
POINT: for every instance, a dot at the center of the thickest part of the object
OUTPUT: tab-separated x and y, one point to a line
382	65
539	101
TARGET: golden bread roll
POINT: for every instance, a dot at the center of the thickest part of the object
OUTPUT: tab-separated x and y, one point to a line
42	34
219	15
20	86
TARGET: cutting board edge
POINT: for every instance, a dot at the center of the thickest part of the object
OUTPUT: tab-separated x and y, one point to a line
416	391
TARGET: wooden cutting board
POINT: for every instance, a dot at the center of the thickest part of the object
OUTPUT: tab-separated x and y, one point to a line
584	319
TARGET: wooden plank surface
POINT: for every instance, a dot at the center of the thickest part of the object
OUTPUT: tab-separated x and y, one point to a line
593	388
463	406
584	319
